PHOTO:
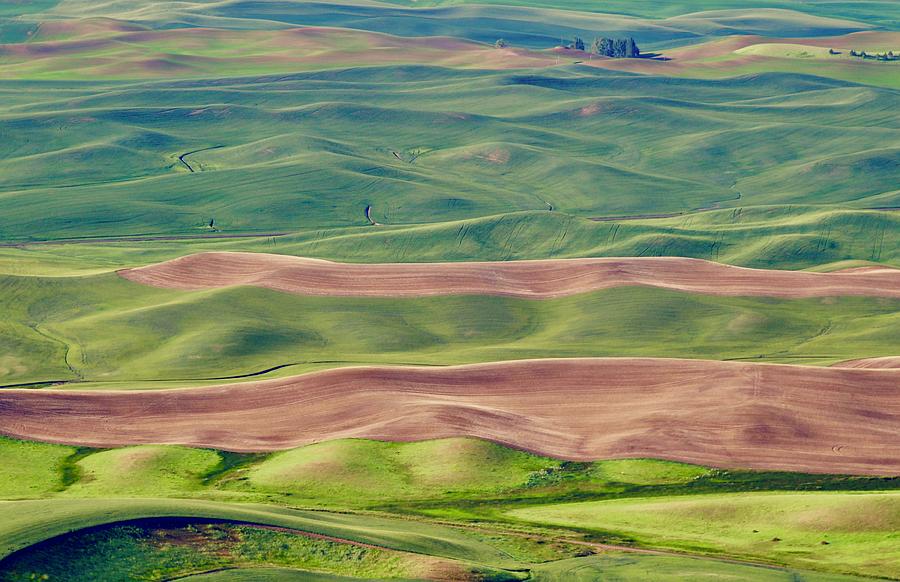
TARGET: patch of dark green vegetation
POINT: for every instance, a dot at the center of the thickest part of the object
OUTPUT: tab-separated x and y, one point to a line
567	471
70	471
616	48
230	465
887	56
783	481
36	385
165	548
572	482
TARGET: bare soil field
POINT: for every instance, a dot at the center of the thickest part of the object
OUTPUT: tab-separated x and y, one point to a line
724	54
882	363
526	279
726	414
130	52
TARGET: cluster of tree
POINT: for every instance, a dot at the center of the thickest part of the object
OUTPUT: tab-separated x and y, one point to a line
618	48
888	56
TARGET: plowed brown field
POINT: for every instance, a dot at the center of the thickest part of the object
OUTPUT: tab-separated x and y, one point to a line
884	362
528	279
764	416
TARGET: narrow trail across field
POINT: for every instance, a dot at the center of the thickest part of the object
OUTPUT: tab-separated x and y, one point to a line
725	414
183	157
526	279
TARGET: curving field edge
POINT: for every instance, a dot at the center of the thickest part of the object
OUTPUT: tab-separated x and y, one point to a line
539	279
726	414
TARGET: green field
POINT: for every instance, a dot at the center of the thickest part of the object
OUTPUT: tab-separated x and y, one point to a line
138	131
470	144
873	73
781	237
527	23
495	489
112	332
75	40
362	474
267	575
132	551
469	479
28	522
670	568
239	548
867	11
832	531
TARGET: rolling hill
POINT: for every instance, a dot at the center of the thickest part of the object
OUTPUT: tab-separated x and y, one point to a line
352	290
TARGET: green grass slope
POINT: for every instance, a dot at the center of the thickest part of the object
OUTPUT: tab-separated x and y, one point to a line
267	575
167	549
151	471
780	237
375	472
526	23
830	531
262	118
494	489
25	523
423	145
105	329
882	12
33	469
233	552
172	548
637	567
103	49
456	478
870	73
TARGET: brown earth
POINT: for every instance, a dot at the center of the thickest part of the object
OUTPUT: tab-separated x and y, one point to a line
527	279
719	54
883	363
137	53
109	48
727	414
67	29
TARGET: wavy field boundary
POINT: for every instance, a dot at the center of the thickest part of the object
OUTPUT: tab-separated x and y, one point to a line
147	54
525	279
827	56
728	414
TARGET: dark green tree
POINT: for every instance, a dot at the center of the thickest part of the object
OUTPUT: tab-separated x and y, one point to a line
610	49
579	44
631	50
604	47
619	48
